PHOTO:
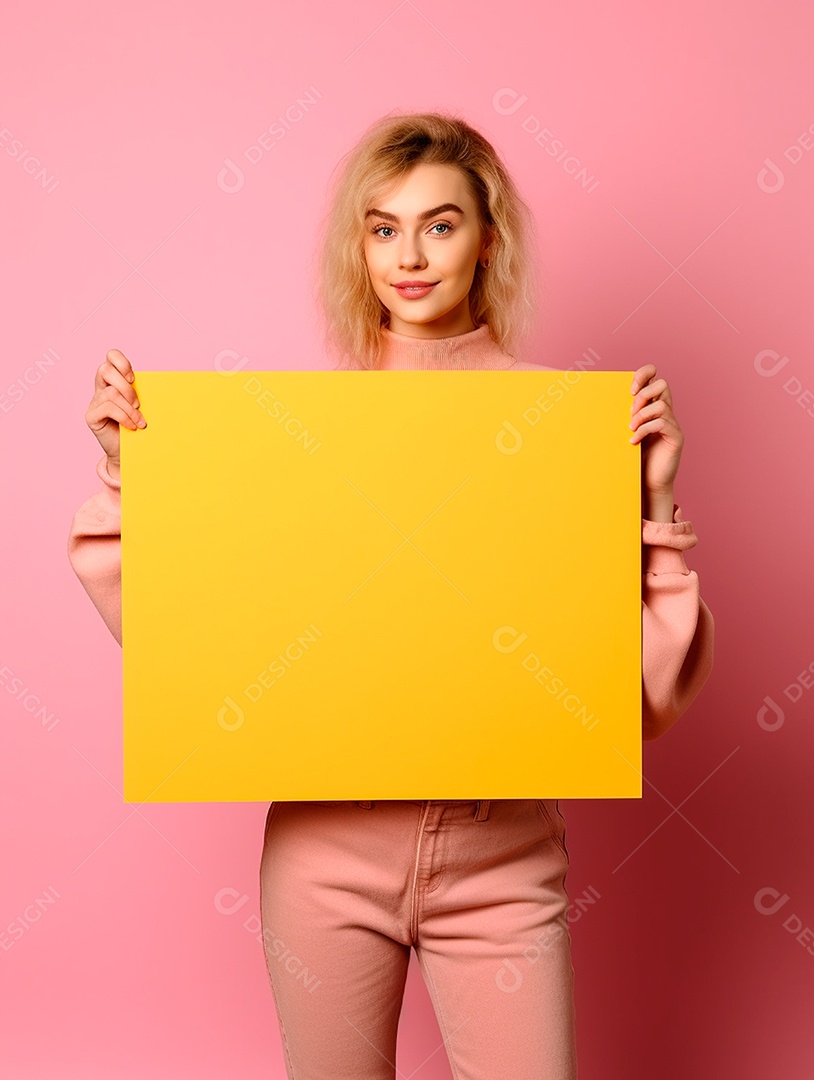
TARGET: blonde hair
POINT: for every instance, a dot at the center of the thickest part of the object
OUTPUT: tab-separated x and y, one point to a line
501	295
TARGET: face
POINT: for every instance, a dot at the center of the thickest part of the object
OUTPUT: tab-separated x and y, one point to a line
427	230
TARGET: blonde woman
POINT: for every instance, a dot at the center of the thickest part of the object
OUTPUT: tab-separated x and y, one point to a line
427	264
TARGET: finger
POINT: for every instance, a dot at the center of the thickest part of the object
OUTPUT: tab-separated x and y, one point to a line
661	425
110	375
114	406
115	360
97	419
647	429
110	393
117	357
652	387
641	376
650	412
658	389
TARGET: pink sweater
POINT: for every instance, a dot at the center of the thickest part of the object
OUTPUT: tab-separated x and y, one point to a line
677	626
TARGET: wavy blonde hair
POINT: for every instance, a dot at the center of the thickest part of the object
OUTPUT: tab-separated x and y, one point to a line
502	295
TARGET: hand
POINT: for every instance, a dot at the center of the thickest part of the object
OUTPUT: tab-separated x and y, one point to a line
656	427
115	401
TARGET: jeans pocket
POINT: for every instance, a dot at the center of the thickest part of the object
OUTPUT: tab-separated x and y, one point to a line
550	813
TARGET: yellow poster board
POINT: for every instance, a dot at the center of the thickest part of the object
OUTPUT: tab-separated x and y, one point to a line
381	585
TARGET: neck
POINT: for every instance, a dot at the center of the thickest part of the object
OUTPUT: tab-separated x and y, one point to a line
476	349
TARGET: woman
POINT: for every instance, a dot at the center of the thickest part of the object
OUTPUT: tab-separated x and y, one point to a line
426	265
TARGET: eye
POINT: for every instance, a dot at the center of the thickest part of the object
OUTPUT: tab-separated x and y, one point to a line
448	226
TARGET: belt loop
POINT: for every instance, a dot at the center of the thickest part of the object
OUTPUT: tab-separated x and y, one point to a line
481	809
367	803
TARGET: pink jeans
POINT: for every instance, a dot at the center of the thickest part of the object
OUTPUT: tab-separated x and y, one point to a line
477	888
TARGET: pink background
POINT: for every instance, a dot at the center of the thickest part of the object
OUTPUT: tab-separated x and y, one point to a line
691	247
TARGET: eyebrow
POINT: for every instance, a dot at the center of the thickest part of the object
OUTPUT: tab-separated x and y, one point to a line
421	217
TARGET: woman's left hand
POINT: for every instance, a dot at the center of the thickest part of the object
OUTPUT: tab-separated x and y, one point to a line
656	427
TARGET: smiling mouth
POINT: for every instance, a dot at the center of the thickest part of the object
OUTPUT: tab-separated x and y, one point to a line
414	290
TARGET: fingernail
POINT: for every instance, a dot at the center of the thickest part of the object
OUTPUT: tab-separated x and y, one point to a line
130	376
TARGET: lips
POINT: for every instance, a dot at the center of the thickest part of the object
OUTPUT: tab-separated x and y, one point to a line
414	291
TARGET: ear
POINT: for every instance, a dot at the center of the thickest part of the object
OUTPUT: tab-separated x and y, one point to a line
486	243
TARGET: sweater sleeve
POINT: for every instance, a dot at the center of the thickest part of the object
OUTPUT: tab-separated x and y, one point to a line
94	549
678	630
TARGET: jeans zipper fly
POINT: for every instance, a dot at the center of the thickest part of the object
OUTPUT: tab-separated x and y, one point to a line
414	897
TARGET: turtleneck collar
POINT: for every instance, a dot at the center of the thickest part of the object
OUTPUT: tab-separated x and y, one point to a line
475	349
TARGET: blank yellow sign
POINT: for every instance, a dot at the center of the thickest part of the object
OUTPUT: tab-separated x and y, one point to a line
390	585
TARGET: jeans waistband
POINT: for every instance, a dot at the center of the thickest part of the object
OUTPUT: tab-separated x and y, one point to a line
481	805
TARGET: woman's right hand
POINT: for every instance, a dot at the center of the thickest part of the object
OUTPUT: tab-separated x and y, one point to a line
114	402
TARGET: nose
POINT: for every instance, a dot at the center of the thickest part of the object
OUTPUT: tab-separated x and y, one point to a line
411	257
